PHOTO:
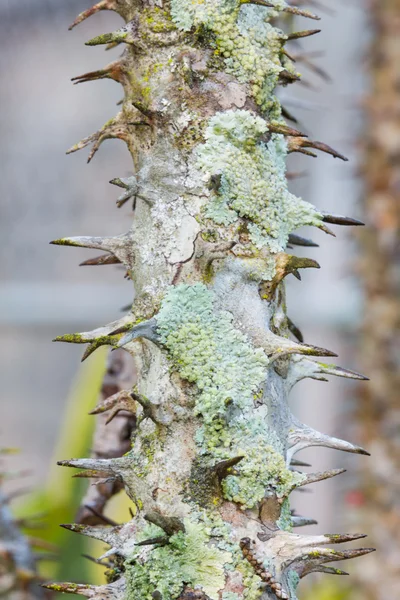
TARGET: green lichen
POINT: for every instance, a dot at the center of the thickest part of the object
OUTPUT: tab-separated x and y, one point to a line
230	596
263	467
187	559
253	179
209	351
242	35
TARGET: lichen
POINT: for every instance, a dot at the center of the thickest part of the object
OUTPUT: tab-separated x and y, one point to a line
293	580
209	351
188	558
253	179
250	46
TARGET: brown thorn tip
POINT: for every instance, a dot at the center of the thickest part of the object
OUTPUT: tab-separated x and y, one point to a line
300	34
339	220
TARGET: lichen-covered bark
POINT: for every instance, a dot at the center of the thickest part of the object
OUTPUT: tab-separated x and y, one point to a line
377	412
211	465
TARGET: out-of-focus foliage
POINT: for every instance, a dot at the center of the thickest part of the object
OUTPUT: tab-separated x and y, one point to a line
60	497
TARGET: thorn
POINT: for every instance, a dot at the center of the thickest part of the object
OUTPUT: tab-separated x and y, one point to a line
306	152
170	525
296	174
341	538
112	71
108	535
301	34
88	474
339	372
88	591
119	246
124	35
108	565
283	346
104	259
326	229
315	68
301	436
328	554
146	329
301	13
122	400
116	128
285	264
297	240
103	5
338	220
131	188
101	465
294	330
328	570
100	516
298	521
298	144
294	10
298	463
321	476
161	540
223	468
296	273
283	129
288	115
286	77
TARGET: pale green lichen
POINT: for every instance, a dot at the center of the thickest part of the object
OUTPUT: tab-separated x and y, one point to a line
293	580
250	46
253	179
188	559
208	350
230	596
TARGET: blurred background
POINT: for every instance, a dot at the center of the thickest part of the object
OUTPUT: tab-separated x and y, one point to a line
46	195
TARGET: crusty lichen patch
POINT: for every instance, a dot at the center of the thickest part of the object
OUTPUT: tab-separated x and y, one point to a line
229	372
188	559
250	46
253	179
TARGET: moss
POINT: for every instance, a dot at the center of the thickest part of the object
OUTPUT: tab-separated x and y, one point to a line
253	181
186	559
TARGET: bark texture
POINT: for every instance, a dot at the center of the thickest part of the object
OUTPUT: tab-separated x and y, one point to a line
211	466
378	412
